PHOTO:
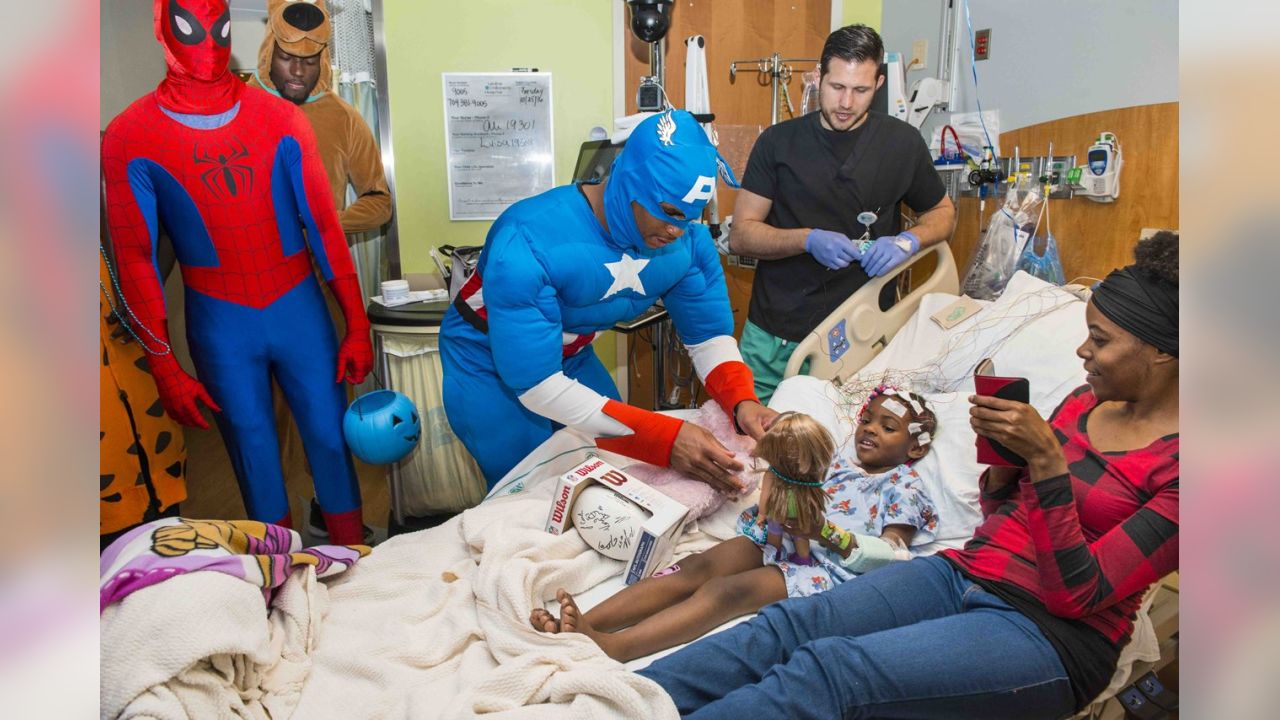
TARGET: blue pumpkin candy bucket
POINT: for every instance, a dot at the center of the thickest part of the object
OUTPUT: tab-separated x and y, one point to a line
382	426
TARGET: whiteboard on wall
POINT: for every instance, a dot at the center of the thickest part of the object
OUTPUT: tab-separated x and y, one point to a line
498	140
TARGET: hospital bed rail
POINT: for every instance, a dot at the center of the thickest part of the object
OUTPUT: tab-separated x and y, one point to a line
866	328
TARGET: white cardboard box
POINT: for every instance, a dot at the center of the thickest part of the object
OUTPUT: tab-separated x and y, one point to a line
656	545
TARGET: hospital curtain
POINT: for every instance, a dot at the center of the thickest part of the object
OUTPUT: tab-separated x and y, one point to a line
353	74
353	58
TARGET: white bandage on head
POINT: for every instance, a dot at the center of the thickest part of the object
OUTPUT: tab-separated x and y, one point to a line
916	407
921	435
894	407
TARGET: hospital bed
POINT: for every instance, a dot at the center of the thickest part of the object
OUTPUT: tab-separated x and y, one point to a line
434	623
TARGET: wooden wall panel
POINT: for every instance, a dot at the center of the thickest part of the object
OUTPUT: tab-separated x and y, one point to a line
734	30
1095	238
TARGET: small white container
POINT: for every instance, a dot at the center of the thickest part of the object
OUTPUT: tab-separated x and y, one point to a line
395	290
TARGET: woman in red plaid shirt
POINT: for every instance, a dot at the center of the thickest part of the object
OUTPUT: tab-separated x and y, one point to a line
1028	619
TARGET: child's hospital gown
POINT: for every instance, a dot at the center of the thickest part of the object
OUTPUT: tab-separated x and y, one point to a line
856	502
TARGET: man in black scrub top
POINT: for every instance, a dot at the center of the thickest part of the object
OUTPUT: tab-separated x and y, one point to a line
807	181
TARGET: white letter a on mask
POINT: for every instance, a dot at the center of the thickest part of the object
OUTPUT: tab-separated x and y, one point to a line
701	189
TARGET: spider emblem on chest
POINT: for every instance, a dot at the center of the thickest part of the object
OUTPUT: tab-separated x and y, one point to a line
229	174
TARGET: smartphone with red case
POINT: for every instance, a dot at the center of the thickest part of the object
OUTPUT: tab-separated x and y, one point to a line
1018	389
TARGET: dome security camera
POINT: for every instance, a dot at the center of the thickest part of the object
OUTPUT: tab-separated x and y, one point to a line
650	19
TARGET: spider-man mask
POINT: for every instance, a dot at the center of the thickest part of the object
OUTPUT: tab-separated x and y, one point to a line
196	35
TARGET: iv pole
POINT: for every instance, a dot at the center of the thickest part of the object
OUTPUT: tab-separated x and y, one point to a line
776	67
657	71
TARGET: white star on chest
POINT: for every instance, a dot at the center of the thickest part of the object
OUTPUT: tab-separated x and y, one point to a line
626	275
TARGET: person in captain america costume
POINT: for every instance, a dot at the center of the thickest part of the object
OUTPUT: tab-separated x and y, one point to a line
564	265
233	176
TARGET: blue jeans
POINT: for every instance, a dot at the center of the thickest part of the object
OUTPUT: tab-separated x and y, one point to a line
910	640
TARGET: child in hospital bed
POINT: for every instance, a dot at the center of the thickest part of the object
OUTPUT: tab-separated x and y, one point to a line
876	508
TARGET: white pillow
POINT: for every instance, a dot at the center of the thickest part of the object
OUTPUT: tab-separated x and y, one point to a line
819	398
950	471
1028	318
1043	351
1031	331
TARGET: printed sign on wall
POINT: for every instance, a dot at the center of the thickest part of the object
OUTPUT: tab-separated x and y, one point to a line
498	140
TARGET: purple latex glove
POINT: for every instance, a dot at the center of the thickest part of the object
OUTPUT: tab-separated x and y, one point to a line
888	252
832	249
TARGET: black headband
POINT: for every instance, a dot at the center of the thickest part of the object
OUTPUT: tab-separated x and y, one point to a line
1142	305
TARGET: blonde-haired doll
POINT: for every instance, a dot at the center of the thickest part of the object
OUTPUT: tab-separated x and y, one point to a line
798	452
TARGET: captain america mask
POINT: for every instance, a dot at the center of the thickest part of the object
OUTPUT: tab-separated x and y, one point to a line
668	161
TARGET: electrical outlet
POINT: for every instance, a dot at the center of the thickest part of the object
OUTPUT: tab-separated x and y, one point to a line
919	54
982	44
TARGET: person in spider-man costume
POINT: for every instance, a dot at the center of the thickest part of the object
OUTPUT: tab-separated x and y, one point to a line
233	176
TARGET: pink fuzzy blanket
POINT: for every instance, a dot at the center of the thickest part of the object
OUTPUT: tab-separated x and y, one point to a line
696	495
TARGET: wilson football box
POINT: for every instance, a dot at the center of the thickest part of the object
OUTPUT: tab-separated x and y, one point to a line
652	548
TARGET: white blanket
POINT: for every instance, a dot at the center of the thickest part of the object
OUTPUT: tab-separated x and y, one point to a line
202	645
432	624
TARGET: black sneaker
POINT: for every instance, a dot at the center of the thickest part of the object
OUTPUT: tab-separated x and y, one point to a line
318	531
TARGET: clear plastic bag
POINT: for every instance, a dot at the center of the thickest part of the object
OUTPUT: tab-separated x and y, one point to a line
974	131
996	258
809	98
1040	257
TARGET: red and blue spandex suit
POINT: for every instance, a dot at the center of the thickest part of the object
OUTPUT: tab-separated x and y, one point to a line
233	177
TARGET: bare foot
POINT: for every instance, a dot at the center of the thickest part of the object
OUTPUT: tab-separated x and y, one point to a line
543	621
573	620
570	617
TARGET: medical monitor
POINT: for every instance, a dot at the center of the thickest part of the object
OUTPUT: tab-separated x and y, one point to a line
595	159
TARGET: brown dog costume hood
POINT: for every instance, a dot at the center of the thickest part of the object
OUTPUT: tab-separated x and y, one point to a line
301	28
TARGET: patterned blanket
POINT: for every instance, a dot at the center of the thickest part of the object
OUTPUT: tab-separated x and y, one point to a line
260	554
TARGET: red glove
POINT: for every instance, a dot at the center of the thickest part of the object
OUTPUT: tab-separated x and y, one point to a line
355	357
180	394
355	353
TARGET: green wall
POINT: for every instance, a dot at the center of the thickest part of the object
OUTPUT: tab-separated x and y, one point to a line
867	12
571	39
